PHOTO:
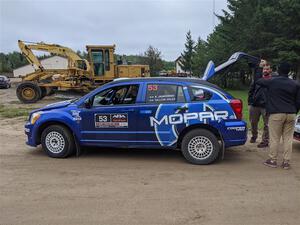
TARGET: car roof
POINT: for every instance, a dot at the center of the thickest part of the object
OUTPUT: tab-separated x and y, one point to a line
164	79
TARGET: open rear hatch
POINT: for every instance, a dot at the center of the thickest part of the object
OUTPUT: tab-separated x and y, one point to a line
211	70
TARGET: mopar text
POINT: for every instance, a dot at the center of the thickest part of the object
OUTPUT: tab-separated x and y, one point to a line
185	117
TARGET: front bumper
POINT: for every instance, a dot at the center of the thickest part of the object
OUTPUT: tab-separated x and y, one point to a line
297	131
30	137
3	85
297	136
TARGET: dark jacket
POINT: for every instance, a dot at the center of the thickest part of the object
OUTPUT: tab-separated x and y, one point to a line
260	96
253	86
283	94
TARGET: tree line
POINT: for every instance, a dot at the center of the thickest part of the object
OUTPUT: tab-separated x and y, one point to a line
268	29
152	57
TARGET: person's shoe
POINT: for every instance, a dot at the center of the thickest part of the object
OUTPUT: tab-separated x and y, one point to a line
271	163
253	140
262	145
285	165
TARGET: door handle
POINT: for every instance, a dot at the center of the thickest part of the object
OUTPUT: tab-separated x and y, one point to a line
127	110
145	111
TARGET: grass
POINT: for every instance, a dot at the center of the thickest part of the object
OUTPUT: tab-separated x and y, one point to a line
243	95
10	112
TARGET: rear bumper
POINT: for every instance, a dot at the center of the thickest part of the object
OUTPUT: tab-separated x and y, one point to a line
235	133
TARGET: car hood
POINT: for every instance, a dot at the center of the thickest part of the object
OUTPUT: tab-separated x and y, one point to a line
55	105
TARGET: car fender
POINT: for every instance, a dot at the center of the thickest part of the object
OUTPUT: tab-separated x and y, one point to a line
49	118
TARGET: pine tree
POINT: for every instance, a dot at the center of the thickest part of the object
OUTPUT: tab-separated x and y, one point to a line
199	59
187	55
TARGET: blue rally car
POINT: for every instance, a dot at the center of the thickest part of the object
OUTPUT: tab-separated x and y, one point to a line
179	113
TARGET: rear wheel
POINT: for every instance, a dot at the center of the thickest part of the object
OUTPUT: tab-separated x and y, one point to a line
200	146
29	92
57	141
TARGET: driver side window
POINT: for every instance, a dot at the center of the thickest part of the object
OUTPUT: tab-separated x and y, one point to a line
116	96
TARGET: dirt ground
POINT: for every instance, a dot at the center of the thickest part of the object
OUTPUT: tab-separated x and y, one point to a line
123	186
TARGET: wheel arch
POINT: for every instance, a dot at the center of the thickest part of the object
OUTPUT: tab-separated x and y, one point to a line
43	126
198	126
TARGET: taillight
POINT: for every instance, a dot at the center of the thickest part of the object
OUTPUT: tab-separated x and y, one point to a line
237	106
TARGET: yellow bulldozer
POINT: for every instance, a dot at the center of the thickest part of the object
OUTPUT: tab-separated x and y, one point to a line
81	75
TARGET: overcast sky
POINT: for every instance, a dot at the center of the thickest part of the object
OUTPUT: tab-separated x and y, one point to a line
130	24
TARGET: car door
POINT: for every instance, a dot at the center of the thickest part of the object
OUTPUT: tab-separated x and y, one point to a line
162	102
111	120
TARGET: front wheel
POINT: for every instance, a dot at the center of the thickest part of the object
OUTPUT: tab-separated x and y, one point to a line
200	147
57	141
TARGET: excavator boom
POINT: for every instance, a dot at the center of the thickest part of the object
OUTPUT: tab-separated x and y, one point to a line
32	59
73	58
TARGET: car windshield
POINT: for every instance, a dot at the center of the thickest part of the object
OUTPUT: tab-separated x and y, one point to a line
1	78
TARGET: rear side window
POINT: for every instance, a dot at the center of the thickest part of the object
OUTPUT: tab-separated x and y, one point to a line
162	93
198	94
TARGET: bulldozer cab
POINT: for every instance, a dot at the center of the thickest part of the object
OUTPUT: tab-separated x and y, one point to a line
101	58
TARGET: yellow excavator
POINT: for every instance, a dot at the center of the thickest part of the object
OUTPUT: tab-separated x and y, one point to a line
81	75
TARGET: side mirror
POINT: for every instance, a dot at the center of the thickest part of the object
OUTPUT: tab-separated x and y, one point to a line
87	103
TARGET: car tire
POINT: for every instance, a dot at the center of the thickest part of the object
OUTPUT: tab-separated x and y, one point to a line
57	141
200	146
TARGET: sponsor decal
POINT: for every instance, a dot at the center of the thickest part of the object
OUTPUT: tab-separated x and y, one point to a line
76	115
111	120
236	128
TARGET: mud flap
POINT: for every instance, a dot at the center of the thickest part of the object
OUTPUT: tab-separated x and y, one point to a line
77	145
223	149
222	146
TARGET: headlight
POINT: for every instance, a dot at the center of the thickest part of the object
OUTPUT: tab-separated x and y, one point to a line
35	117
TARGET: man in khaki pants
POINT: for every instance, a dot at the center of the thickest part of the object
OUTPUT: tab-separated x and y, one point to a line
283	103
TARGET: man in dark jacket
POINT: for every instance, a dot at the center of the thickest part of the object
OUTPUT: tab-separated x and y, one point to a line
282	105
257	105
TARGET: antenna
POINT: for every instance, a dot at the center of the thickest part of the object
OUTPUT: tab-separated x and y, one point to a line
213	15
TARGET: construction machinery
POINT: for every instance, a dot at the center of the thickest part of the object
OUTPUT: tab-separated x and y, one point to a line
81	75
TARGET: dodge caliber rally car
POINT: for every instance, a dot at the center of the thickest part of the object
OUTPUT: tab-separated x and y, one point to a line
189	114
178	113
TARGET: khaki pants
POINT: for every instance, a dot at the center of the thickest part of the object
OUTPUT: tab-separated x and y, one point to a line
281	125
255	113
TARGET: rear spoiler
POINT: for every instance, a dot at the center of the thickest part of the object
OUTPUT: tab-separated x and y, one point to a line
211	70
